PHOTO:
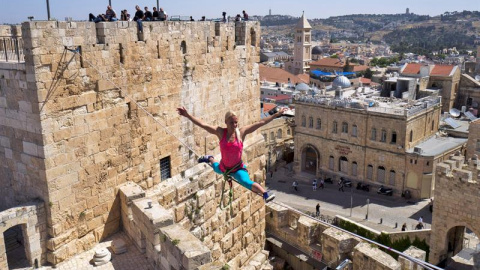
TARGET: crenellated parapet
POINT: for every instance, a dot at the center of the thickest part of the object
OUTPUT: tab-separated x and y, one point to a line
456	168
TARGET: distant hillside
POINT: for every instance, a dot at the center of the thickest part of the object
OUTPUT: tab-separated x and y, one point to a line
403	32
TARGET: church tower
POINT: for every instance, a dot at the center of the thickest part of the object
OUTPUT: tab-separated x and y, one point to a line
302	52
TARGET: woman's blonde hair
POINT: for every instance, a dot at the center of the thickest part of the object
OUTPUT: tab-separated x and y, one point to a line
229	114
237	131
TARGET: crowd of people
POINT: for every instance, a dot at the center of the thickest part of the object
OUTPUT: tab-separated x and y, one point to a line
146	15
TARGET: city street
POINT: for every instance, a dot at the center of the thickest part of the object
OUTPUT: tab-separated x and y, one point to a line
392	210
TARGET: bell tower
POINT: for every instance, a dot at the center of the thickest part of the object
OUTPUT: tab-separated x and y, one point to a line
302	54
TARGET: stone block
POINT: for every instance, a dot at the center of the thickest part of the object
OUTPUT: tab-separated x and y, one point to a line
415	253
185	189
185	247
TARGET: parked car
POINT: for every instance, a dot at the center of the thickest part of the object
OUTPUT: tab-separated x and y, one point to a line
385	191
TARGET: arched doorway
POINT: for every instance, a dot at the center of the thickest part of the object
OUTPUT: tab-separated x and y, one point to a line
310	163
460	245
15	247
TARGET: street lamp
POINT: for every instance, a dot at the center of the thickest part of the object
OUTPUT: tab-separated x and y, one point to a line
368	203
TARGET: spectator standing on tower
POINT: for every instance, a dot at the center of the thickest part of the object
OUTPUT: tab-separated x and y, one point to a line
148	15
162	15
155	14
224	17
138	18
245	16
110	14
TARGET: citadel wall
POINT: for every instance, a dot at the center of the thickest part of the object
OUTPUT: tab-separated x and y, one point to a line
70	136
456	203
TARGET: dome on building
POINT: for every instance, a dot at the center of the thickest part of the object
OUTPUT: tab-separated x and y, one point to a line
341	81
317	50
302	87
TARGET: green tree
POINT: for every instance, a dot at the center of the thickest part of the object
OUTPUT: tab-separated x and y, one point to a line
368	73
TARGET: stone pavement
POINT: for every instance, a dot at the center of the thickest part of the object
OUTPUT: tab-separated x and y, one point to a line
392	210
132	259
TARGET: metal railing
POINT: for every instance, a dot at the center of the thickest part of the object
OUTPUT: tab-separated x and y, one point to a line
11	49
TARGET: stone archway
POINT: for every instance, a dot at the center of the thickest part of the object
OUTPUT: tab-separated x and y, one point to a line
459	245
310	159
27	225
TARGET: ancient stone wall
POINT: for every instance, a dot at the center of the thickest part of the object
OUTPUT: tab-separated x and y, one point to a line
329	245
473	143
456	205
85	85
22	173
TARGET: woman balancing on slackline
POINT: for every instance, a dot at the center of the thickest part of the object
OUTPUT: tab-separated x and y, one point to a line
231	146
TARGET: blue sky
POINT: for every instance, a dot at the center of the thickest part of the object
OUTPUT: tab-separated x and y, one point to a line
16	11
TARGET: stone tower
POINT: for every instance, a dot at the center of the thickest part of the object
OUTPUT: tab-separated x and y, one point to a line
302	52
80	159
457	196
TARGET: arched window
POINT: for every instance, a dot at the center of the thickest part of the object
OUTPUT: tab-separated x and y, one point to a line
383	138
370	172
381	174
279	134
391	179
272	136
354	168
319	123
411	135
354	131
331	161
334	129
343	165
304	121
288	131
394	137
310	122
265	137
344	127
373	137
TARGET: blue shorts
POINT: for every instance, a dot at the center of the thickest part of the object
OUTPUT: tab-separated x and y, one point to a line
241	176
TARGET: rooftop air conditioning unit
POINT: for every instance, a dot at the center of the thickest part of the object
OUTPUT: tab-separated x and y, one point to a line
417	150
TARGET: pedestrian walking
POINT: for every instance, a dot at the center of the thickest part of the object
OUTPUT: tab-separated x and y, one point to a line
341	186
295	185
314	184
317	208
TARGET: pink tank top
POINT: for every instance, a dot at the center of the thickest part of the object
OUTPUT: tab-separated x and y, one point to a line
231	153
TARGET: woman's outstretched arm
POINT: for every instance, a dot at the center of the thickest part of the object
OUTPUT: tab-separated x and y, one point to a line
251	128
210	129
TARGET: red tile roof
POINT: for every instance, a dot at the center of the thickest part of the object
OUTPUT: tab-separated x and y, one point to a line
359	68
365	80
330	62
268	106
442	70
412	68
271	74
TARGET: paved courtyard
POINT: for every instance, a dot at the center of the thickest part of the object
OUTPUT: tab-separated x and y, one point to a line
132	259
392	210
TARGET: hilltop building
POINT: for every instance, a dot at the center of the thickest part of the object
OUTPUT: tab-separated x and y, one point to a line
302	53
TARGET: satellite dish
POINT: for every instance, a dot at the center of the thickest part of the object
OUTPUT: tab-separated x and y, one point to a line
454	112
